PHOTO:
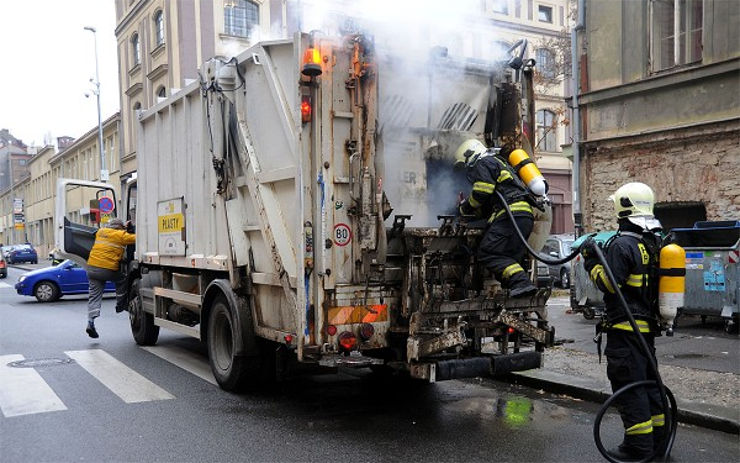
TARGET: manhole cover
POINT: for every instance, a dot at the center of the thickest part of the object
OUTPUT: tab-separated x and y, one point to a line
35	363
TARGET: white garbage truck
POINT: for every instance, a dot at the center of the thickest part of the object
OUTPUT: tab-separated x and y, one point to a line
298	203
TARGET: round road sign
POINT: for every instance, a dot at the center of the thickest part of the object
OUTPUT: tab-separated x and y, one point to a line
106	204
342	234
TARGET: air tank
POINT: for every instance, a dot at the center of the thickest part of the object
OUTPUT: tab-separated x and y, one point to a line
528	172
671	283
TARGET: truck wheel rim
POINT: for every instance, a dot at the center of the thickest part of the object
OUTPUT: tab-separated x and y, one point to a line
222	343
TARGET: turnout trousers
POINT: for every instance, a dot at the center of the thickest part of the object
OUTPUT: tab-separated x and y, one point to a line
502	251
640	408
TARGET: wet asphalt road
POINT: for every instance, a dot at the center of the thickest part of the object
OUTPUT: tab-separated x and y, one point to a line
348	417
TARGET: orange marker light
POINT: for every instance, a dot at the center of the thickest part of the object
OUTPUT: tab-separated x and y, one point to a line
311	62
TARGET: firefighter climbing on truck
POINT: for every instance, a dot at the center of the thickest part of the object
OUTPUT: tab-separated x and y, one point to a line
500	249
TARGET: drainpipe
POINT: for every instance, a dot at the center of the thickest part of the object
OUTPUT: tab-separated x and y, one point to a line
575	88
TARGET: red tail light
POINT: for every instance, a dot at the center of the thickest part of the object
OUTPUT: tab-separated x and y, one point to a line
306	109
347	341
331	330
510	330
2	264
288	338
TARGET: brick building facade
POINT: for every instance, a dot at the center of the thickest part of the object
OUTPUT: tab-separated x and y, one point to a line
695	174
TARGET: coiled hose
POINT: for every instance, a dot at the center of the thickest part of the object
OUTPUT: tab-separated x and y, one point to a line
666	396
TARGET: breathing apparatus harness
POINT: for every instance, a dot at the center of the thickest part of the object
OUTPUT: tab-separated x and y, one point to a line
668	402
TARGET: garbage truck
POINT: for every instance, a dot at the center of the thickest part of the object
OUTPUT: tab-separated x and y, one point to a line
288	207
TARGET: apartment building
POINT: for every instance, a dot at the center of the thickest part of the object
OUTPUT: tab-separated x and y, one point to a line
14	158
78	159
660	102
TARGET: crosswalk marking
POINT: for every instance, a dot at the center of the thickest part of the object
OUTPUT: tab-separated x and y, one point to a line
127	384
23	391
4	285
185	360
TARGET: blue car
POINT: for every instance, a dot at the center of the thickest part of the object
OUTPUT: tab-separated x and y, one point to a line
51	283
22	253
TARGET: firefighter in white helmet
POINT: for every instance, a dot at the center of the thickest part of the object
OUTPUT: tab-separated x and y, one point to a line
631	255
500	249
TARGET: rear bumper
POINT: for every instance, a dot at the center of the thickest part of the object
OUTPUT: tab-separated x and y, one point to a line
497	365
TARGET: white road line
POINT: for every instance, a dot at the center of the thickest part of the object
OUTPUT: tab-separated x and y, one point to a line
124	382
185	360
5	285
23	391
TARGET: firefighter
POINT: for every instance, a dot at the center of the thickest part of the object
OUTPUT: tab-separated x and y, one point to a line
104	264
500	249
631	255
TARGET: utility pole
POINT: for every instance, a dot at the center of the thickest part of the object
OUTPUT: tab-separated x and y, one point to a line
12	194
103	170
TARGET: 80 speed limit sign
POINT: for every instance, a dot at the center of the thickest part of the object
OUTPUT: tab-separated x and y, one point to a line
342	234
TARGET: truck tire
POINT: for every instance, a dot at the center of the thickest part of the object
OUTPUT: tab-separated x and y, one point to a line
588	313
230	370
143	329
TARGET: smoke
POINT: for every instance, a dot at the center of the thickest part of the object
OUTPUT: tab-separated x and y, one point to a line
435	58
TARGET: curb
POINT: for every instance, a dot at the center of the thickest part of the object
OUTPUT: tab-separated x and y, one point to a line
713	417
25	269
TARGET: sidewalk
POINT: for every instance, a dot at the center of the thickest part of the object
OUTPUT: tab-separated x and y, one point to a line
705	398
27	267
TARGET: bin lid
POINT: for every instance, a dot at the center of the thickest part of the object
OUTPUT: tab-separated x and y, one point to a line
715	234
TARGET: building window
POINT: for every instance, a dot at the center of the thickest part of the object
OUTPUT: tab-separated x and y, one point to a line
161	92
500	6
135	49
240	17
159	27
676	42
545	63
546	133
544	13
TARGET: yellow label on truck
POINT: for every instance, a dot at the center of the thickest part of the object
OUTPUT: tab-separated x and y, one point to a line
171	223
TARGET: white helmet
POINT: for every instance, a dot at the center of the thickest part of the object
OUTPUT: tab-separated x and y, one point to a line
634	201
469	152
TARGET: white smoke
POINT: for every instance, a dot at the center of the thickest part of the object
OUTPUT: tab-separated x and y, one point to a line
415	94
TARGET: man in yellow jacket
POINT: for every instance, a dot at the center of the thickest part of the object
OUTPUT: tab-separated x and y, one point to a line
104	264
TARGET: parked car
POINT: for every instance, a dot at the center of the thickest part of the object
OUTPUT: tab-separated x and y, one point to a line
51	283
3	267
544	280
22	253
6	250
557	247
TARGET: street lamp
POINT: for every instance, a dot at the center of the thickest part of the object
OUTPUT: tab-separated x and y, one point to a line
103	171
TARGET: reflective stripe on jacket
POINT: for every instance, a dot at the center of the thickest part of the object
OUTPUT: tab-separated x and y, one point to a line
487	175
108	248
